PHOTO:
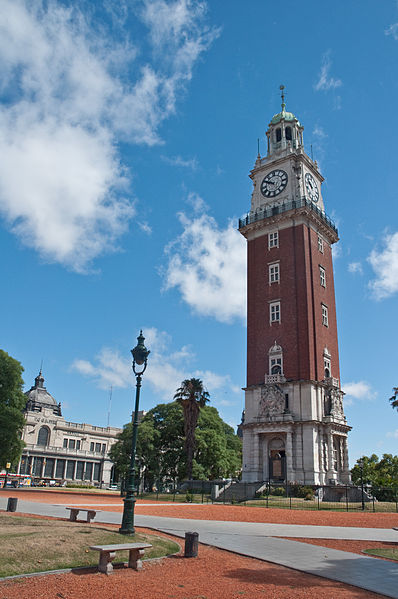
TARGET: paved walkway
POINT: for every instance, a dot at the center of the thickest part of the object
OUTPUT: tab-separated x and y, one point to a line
258	541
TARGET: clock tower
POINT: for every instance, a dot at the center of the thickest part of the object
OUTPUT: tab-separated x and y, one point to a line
294	427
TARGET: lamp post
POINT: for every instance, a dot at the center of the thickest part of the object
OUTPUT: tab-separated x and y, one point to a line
140	356
360	463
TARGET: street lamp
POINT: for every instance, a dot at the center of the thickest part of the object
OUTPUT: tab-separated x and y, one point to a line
140	356
360	464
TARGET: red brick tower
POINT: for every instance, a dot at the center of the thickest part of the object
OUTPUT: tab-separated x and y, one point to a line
294	427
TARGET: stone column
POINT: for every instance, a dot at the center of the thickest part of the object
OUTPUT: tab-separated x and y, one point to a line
330	452
345	450
256	456
289	457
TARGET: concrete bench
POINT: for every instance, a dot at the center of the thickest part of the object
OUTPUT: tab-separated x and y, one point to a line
75	510
108	553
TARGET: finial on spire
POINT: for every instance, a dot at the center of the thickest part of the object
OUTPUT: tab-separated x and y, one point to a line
282	87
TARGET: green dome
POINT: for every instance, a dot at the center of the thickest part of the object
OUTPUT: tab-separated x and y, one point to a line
288	116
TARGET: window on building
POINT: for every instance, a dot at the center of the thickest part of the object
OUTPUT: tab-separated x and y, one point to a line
322	275
275	359
325	316
78	444
326	365
70	469
273	273
275	312
278	134
43	436
320	244
288	133
98	447
91	446
65	442
60	469
72	444
103	448
89	471
97	471
79	470
273	239
276	366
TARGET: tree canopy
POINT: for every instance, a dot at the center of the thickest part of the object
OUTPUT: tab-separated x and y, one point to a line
377	472
394	398
12	402
160	446
192	397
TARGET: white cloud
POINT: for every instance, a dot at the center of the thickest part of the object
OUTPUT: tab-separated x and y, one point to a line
319	132
325	81
337	250
69	94
191	163
355	267
392	30
166	368
385	266
393	434
358	390
145	227
208	266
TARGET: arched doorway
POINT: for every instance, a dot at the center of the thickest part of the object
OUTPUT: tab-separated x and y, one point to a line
277	459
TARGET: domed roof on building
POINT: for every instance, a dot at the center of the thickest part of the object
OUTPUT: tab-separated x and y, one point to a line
287	116
284	115
38	397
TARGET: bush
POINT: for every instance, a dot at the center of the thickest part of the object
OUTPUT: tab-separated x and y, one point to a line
301	491
278	491
309	496
188	497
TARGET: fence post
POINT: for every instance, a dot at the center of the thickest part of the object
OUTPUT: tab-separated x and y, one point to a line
346	497
202	490
319	493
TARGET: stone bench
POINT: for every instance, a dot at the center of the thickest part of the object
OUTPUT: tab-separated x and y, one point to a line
108	553
75	510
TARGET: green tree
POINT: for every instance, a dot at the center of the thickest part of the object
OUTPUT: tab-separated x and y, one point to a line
394	398
192	397
161	447
376	472
12	402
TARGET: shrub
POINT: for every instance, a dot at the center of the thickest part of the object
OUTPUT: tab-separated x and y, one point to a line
188	497
278	491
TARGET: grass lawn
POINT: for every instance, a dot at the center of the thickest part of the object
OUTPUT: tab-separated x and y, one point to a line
34	545
390	553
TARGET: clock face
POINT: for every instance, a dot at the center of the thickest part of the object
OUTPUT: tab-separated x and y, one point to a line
274	183
311	187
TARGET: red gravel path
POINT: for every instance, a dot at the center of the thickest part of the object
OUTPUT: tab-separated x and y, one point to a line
215	574
216	512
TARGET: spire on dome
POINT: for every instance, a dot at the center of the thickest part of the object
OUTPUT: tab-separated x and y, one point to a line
282	87
39	381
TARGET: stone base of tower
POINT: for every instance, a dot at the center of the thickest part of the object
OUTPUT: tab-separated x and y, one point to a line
295	432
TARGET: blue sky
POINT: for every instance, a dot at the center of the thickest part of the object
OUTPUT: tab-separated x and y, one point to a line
127	131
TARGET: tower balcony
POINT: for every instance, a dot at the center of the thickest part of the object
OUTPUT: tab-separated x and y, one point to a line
299	205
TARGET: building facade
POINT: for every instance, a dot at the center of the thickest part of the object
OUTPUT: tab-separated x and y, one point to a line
294	427
63	451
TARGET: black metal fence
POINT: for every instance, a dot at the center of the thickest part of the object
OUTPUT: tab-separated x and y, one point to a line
279	495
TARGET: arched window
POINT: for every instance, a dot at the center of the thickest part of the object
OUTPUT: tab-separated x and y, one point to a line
288	133
327	363
278	134
275	359
43	436
276	368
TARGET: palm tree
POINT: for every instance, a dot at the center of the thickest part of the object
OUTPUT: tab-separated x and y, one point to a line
192	397
394	398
